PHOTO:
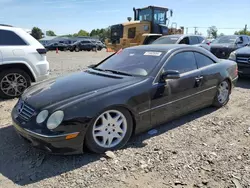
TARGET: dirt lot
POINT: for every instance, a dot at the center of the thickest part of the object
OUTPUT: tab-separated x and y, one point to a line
208	148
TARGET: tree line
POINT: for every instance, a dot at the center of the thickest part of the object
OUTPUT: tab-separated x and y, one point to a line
102	34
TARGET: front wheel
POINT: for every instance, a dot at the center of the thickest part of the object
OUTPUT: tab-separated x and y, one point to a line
223	94
13	82
111	130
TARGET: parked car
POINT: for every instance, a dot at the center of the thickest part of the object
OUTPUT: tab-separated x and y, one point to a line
242	57
22	61
188	39
83	45
129	92
100	45
57	45
222	46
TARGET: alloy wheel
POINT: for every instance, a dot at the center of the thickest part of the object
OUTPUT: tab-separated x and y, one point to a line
13	84
223	92
109	129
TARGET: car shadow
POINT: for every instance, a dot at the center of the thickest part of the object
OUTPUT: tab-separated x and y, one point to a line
24	165
243	82
138	140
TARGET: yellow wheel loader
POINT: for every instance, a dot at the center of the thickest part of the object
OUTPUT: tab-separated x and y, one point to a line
149	24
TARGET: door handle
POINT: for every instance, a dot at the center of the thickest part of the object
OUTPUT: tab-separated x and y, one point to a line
199	78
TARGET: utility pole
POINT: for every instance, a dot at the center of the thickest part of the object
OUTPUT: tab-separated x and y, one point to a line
245	29
186	30
195	30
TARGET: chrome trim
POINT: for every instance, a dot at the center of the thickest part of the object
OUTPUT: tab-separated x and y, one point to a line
176	100
47	136
235	78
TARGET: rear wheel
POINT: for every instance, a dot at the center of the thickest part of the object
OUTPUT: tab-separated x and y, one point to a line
13	82
77	49
223	94
111	130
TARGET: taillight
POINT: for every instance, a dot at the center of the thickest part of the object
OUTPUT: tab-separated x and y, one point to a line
41	51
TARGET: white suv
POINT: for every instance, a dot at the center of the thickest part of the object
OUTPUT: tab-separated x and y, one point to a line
22	61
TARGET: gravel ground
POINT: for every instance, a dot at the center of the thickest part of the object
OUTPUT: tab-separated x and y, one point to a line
208	148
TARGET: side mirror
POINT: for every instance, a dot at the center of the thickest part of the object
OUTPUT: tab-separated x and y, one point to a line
239	41
91	66
170	74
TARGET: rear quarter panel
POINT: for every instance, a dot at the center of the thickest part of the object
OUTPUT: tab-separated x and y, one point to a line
228	70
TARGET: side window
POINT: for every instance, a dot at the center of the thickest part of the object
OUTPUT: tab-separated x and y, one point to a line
9	38
183	62
194	40
201	39
202	60
185	40
245	39
131	32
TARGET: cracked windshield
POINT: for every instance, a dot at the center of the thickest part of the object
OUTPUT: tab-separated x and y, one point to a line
128	94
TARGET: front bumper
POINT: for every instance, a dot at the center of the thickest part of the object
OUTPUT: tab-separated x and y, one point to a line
244	69
54	144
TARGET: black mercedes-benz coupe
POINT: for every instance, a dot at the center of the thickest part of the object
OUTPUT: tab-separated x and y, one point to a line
129	92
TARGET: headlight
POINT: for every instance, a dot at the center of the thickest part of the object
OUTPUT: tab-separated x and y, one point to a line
232	56
55	120
41	117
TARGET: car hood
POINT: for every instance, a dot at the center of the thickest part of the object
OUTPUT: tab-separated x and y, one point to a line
225	45
74	87
244	50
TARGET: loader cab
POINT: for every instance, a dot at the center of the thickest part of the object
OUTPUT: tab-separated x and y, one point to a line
157	16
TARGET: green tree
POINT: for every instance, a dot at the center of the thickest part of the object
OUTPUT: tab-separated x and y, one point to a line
102	34
37	33
212	32
82	33
242	32
222	34
50	33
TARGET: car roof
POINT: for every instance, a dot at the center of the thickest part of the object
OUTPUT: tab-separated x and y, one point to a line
162	47
182	35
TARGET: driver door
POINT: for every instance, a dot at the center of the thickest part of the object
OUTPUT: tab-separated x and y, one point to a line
174	97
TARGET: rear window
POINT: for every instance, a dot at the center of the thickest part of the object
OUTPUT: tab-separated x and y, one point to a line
166	40
135	62
9	38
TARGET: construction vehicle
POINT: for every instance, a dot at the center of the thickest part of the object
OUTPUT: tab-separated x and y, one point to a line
149	24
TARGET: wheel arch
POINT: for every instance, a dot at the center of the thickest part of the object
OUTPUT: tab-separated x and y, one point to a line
21	66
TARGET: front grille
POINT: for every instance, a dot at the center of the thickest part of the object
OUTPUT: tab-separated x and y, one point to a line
116	33
24	111
242	59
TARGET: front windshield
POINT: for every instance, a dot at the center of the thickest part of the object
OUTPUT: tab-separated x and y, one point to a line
166	40
133	61
225	39
145	15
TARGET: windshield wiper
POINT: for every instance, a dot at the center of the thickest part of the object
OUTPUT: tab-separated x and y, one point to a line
118	72
113	71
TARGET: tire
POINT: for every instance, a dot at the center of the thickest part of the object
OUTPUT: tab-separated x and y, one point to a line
77	49
221	99
94	142
9	75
